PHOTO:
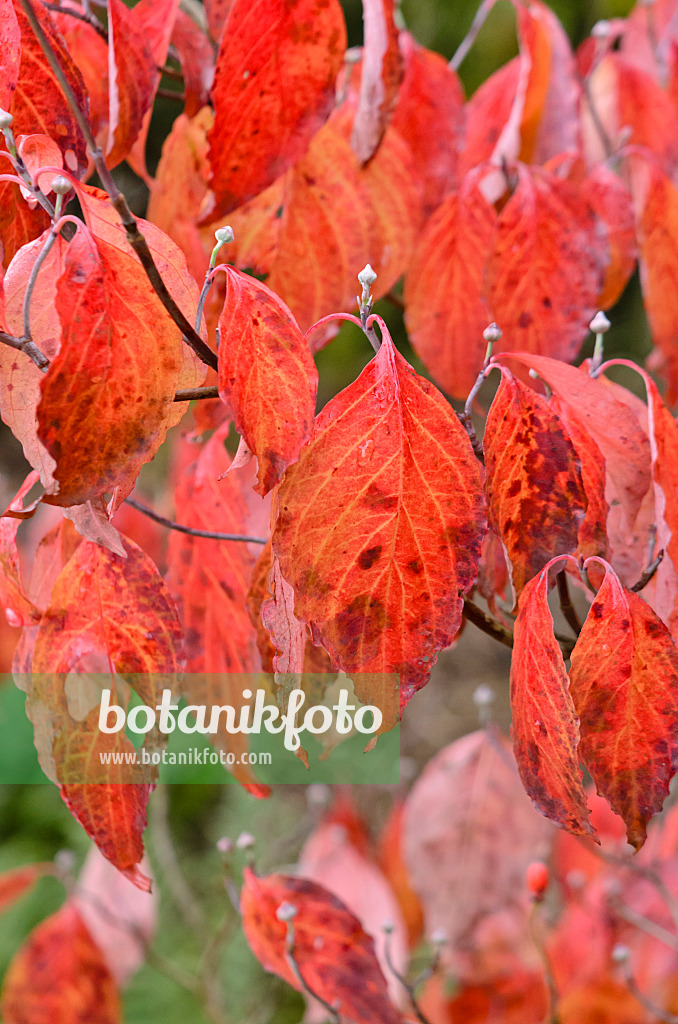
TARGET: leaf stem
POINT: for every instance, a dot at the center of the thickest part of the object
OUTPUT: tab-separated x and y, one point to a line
552	1016
189	394
472	34
418	1012
190	530
129	222
487	624
566	606
35	270
648	574
87	17
28	347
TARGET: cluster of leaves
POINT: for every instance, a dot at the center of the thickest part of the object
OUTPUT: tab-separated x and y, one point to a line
383	517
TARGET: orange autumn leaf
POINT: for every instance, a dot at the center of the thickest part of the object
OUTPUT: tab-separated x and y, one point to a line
89	51
535	493
60	976
663	432
445	308
132	79
382	72
10	52
263	355
334	955
110	389
380	523
611	200
546	266
545	732
624	680
196	57
273	89
14	600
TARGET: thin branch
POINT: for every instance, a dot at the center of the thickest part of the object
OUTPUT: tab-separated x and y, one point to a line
566	606
472	34
418	1012
89	19
552	1013
605	140
189	394
191	531
487	624
170	94
163	847
172	73
296	970
28	347
661	1015
134	236
648	574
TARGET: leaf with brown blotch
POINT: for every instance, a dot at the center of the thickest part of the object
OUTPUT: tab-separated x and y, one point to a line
380	523
132	77
327	218
445	309
430	117
14	600
60	975
19	225
611	423
663	432
592	537
14	883
655	200
108	615
288	635
333	953
544	727
89	51
273	89
463	811
546	267
196	57
267	377
382	72
535	493
624	683
125	353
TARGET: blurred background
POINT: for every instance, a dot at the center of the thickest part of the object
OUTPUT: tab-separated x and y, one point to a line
34	823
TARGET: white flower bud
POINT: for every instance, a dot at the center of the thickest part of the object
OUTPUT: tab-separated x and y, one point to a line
367	276
61	185
492	334
6	119
224	235
286	912
600	324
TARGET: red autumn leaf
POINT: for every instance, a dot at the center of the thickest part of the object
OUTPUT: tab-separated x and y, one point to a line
14	883
611	201
132	79
334	954
216	12
655	199
327	218
288	635
89	51
445	309
430	117
462	811
106	614
546	267
382	72
15	602
126	361
623	682
196	57
610	422
210	580
663	432
545	732
10	53
60	975
380	523
592	537
632	108
263	356
487	113
273	89
535	492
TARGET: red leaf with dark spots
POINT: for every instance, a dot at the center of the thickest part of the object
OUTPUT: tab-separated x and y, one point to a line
132	78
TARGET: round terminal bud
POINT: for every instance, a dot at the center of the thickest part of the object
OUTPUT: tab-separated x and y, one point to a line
225	845
620	953
61	185
601	29
367	276
537	879
245	841
483	696
388	927
318	795
439	937
492	334
600	324
6	119
286	912
64	860
224	235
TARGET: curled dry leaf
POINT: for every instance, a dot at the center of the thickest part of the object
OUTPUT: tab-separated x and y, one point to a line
382	72
624	683
380	524
334	955
59	974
